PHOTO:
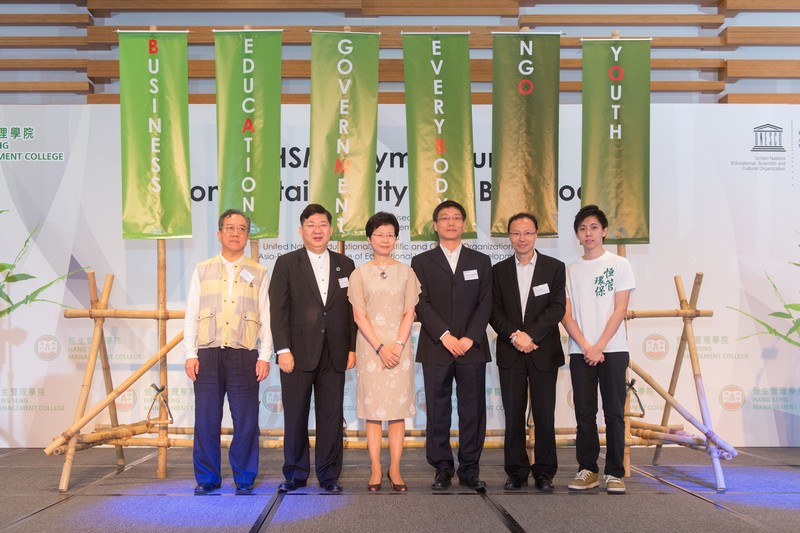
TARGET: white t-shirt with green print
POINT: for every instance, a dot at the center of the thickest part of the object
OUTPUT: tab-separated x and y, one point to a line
591	288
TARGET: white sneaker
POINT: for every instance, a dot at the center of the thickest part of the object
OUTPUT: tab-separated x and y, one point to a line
585	479
614	485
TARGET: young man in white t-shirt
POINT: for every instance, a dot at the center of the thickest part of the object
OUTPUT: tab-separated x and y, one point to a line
599	285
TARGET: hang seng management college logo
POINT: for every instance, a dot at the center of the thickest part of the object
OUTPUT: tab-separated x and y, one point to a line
731	397
419	398
47	347
126	401
272	399
655	346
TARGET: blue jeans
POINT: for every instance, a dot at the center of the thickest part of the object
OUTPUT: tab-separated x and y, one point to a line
610	375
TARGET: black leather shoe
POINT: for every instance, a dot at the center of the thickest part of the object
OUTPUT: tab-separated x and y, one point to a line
441	481
544	483
244	489
331	486
472	483
203	489
291	484
514	483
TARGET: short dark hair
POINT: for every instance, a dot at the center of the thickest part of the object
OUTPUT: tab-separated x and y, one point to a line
314	209
587	211
382	218
445	205
230	213
523	215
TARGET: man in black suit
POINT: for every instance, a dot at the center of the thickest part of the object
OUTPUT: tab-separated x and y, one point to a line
528	302
454	309
314	336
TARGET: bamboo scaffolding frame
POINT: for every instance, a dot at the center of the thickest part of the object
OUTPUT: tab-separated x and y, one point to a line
673	384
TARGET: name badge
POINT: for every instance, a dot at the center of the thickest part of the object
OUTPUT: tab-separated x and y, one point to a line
541	289
470	275
247	276
344	283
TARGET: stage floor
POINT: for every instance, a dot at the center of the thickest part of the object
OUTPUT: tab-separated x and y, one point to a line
763	494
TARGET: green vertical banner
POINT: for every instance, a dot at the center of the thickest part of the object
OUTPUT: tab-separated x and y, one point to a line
344	128
154	118
615	166
438	95
248	69
525	89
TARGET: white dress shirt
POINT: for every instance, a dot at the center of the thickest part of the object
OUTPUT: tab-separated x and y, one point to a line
524	279
452	257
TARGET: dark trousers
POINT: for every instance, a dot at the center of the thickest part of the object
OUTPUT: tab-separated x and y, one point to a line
328	388
232	372
471	395
515	382
610	375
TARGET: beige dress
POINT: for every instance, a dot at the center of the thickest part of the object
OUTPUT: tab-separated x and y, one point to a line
384	393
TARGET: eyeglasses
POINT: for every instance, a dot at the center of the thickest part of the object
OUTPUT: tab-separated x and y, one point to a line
389	236
518	234
230	229
314	225
448	219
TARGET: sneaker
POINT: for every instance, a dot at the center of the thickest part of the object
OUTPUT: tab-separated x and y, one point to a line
585	479
614	485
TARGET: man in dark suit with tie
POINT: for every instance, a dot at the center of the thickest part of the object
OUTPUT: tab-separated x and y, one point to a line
454	309
528	302
314	336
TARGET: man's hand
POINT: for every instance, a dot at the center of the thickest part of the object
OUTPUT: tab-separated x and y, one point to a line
192	368
286	362
351	360
523	342
593	355
465	343
262	369
453	345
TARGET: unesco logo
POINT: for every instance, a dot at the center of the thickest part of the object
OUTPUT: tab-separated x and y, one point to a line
655	346
767	138
731	397
419	398
47	347
126	401
272	399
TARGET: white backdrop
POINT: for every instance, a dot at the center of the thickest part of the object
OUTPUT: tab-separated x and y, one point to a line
724	202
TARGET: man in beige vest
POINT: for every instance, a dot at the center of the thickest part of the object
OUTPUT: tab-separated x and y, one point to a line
227	342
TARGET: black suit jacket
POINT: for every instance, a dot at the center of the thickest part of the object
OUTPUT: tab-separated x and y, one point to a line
542	313
298	318
452	302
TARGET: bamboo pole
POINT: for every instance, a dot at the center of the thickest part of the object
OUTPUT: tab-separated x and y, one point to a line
669	437
675	428
670	313
688	328
88	375
161	468
626	455
673	383
123	313
78	424
106	367
114	433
